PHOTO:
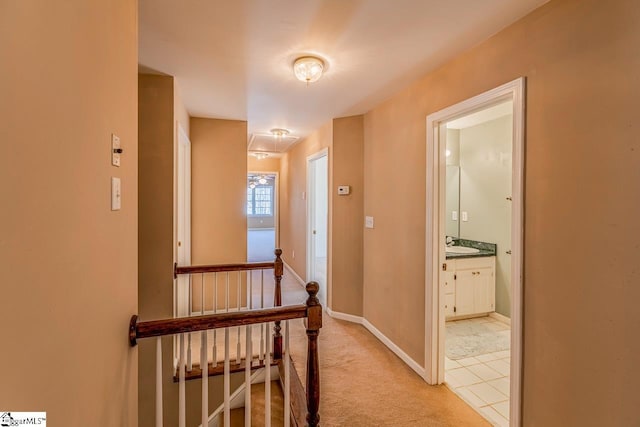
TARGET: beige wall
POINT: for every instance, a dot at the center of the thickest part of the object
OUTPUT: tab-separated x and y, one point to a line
348	215
485	184
293	183
67	82
218	191
344	138
155	202
270	164
581	320
156	134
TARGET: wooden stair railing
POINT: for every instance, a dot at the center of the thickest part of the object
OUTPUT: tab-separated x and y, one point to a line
311	311
278	270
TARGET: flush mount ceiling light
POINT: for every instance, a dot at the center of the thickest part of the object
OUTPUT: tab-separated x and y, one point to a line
308	69
279	133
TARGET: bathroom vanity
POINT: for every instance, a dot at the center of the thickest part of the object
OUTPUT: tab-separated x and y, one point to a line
469	282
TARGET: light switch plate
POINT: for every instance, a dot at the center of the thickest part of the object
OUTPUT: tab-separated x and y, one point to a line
368	222
115	148
343	190
116	194
465	216
454	215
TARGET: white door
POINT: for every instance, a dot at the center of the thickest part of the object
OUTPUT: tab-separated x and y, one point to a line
183	239
318	208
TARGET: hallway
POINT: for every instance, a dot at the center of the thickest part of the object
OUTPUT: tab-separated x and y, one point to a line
260	244
362	383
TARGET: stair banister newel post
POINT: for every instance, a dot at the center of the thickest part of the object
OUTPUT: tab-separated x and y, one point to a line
278	270
314	323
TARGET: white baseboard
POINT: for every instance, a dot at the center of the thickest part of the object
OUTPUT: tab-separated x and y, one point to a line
364	322
344	316
382	337
294	274
500	318
397	350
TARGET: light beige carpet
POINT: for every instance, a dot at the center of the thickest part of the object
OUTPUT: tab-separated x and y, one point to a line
364	384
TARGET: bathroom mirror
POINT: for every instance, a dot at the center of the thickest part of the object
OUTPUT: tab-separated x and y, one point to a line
452	207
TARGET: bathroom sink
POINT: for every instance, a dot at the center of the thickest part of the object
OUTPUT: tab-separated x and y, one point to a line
461	250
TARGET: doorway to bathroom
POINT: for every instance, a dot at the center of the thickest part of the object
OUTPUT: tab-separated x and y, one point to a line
262	215
474	248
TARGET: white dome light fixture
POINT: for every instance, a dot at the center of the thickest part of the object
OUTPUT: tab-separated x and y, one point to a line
308	69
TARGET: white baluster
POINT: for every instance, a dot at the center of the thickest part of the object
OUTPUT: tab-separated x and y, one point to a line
159	382
205	378
227	294
190	309
239	290
238	347
214	360
267	380
227	375
262	289
261	354
247	378
287	377
182	414
202	293
189	361
250	291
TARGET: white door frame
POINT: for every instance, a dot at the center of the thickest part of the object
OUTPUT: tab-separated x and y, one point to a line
435	235
322	153
183	224
276	203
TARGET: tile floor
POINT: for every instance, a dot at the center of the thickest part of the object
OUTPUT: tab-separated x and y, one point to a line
483	380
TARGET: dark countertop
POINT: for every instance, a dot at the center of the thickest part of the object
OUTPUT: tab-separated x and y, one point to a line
476	255
486	249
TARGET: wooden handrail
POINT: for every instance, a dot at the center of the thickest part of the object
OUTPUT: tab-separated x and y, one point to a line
221	268
311	310
155	328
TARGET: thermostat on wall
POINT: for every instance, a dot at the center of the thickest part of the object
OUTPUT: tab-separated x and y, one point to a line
343	190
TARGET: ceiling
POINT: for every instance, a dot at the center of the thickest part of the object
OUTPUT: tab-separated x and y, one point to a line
233	59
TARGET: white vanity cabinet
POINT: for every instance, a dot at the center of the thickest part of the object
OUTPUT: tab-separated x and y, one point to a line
469	286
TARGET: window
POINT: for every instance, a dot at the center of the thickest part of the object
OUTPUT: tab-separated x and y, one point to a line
260	200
